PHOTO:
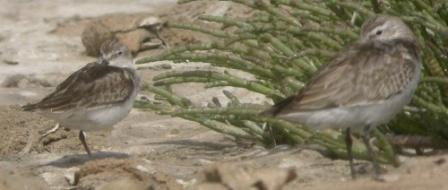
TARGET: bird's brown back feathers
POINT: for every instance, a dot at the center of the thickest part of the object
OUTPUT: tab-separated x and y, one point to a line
93	85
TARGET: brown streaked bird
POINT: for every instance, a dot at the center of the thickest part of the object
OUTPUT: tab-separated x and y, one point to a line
96	96
362	87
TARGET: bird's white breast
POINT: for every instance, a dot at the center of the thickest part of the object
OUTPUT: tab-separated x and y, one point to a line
108	116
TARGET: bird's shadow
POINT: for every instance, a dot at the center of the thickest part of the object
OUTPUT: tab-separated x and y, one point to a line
193	144
79	159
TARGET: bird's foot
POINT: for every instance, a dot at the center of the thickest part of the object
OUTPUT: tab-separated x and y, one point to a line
51	131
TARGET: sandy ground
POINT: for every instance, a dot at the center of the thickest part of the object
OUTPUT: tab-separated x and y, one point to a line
40	45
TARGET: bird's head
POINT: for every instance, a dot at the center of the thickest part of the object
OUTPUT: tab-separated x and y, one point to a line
115	54
385	28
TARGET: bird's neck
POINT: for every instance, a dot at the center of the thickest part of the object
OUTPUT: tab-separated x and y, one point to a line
128	64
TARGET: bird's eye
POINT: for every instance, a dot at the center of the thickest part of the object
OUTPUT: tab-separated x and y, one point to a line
379	32
120	52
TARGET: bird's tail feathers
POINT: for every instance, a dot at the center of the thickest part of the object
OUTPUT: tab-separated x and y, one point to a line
29	107
277	108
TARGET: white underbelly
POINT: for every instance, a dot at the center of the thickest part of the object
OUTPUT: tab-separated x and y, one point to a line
355	116
96	118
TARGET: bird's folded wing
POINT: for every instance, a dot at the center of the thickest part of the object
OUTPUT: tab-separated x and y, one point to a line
367	74
91	86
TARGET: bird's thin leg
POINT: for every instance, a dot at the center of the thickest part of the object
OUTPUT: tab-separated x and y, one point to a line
82	137
52	130
272	135
372	156
349	143
266	127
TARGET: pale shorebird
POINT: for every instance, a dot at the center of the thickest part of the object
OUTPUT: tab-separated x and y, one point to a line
96	96
362	87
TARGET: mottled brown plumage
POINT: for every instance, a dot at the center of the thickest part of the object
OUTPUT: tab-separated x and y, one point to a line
93	85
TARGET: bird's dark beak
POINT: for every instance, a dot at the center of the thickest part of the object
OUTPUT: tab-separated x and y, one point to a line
103	61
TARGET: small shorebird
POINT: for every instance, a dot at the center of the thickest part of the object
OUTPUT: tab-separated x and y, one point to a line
362	87
96	96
